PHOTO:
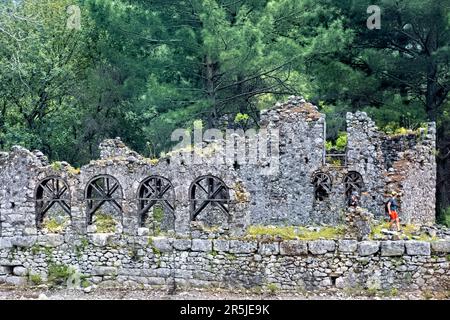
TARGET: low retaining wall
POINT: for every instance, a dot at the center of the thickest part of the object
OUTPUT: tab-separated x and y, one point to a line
288	265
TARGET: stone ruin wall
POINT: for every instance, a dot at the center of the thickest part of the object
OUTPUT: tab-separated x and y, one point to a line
202	256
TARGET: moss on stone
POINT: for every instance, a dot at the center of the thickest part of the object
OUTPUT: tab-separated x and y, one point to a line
105	223
52	225
241	195
57	166
283	232
300	233
73	171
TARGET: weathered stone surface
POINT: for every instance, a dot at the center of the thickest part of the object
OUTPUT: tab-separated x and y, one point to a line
142	232
51	240
19	241
321	246
162	244
182	244
5	243
104	271
441	246
20	271
367	248
267	249
221	245
100	239
237	246
17	281
392	248
201	245
418	248
293	248
4	270
347	245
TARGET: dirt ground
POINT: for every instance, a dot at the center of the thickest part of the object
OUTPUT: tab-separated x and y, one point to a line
12	293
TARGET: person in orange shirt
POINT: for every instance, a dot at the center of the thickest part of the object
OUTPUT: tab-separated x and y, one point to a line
392	207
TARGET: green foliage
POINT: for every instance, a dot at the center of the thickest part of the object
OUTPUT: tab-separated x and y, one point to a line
273	288
301	233
56	166
54	225
339	145
35	279
59	274
444	217
341	142
105	223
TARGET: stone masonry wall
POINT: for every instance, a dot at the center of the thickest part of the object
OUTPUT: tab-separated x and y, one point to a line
284	197
223	263
204	208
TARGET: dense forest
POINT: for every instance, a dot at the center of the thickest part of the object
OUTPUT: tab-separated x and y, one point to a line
73	72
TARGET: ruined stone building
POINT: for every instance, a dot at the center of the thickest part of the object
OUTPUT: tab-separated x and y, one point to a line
309	187
132	221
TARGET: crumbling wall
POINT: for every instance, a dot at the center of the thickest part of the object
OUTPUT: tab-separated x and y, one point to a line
286	196
22	171
411	171
261	192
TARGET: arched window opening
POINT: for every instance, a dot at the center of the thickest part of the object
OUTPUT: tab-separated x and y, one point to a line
103	199
156	198
52	199
322	186
353	183
210	199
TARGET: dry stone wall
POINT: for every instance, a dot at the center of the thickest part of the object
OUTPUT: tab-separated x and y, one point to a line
223	263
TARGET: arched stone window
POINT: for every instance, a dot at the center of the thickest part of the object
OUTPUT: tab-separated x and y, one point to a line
52	197
156	194
322	185
207	194
353	182
103	192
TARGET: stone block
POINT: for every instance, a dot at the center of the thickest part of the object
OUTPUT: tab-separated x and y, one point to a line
293	248
142	232
221	245
418	248
441	246
367	248
238	246
51	240
20	271
24	242
392	248
100	239
321	246
5	243
104	271
162	244
201	245
29	231
268	249
16	281
347	246
182	244
4	270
